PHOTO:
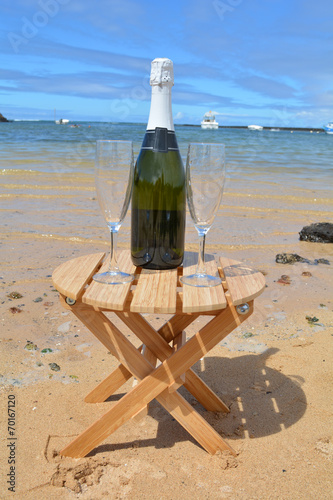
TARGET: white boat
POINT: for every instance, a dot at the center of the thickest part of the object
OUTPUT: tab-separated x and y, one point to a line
329	128
255	127
209	122
62	121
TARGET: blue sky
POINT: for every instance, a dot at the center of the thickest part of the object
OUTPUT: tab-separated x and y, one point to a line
267	62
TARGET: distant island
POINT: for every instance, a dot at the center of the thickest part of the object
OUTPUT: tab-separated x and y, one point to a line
3	119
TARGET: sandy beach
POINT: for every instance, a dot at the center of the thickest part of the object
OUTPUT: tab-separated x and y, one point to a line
274	372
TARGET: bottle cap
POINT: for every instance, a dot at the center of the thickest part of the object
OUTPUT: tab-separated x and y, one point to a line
161	71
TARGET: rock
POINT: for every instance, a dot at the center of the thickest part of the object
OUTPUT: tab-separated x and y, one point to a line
15	295
285	280
322	261
312	319
30	346
54	367
289	258
3	119
319	232
15	310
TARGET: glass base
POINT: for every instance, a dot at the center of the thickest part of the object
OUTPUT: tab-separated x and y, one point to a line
201	280
113	278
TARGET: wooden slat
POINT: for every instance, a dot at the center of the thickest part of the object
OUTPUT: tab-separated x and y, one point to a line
71	277
243	283
201	299
110	296
155	292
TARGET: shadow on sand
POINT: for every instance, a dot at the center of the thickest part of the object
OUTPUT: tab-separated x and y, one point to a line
262	401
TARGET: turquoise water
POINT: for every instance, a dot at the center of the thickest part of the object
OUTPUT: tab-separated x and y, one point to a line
282	157
277	182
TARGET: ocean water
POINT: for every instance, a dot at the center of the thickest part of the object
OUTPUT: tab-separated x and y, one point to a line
267	155
277	182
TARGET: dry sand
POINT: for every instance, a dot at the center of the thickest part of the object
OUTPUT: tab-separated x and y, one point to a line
274	372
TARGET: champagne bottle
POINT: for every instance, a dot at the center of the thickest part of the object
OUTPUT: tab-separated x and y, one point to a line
158	200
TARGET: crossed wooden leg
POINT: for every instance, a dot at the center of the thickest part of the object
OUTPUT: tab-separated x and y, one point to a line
157	382
162	350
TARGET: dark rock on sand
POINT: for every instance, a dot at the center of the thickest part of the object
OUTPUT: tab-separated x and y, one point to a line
15	310
54	367
312	319
319	232
322	261
30	346
291	258
15	295
284	280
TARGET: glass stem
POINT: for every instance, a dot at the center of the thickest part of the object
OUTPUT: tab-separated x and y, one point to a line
113	266
201	269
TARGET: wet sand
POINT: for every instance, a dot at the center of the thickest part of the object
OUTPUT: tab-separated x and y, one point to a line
274	372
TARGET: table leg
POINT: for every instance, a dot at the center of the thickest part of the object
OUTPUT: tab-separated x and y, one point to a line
161	348
154	385
175	325
151	358
193	383
120	375
177	343
109	385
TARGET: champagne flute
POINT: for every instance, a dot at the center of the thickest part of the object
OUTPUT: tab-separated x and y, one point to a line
114	166
205	177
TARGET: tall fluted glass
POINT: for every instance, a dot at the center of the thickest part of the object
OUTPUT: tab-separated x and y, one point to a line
114	167
205	177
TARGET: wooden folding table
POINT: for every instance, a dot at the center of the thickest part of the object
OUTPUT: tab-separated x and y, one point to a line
163	362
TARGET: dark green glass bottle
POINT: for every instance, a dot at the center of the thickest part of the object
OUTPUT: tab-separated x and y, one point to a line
159	200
